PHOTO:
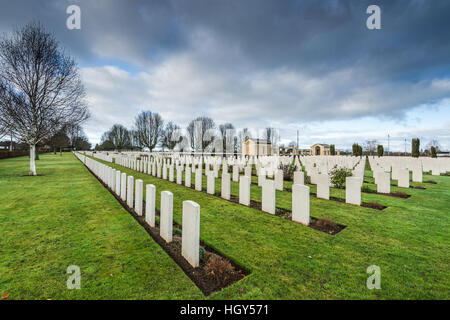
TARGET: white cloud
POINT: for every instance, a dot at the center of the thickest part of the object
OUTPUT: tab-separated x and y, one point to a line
182	88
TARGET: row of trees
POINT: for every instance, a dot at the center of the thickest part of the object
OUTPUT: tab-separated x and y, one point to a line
41	93
357	150
371	146
149	131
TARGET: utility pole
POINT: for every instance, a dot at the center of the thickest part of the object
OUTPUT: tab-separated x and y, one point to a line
388	144
405	146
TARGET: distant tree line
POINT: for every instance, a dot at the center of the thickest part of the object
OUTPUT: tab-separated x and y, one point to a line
149	132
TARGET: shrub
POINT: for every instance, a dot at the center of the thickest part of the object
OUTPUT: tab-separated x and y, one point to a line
356	150
201	253
380	150
433	152
415	144
219	269
288	171
307	179
338	176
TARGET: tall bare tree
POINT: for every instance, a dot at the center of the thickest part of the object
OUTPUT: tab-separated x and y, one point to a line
169	139
197	129
40	88
119	136
228	134
371	146
73	132
3	131
149	127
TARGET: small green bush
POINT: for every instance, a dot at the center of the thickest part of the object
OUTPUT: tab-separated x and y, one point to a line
288	171
338	176
307	179
201	253
433	152
380	150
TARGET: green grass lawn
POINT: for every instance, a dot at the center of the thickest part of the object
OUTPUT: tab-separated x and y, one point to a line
66	217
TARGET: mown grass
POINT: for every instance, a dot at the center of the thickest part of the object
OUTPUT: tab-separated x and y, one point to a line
66	217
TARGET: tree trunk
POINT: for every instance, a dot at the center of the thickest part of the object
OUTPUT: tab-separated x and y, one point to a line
32	161
60	151
54	150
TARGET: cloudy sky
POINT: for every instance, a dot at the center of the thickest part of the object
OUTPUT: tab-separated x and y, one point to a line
311	66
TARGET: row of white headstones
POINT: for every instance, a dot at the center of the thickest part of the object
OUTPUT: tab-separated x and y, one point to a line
300	192
318	168
131	192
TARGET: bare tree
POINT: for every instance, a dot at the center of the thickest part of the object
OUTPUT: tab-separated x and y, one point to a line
228	133
433	143
272	135
197	129
3	131
119	136
169	139
40	88
148	126
242	136
371	146
73	132
59	140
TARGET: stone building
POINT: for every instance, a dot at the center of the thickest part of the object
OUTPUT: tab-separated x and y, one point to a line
253	147
320	149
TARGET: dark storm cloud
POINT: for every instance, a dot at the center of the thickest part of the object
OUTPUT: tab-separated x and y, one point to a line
316	36
264	62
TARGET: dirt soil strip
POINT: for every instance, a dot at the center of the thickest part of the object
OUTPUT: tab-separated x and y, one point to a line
215	272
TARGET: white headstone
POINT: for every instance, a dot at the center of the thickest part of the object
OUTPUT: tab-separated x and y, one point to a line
130	189
244	190
323	186
300	203
299	177
139	197
384	182
279	179
171	173
225	185
198	179
164	172
166	218
236	173
268	196
118	182
403	178
123	187
353	190
248	171
417	174
210	182
190	241
150	200
187	177
180	174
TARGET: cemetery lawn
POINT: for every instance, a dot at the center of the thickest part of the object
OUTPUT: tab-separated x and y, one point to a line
66	217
